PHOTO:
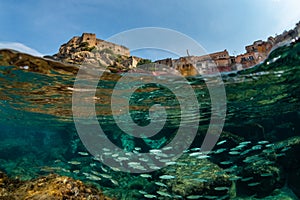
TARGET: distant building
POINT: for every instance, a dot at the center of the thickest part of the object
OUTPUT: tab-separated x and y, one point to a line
89	40
222	61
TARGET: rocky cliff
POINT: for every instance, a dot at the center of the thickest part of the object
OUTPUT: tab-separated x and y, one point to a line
87	49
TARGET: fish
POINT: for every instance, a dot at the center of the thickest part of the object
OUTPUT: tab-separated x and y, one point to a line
270	145
166	177
91	176
220	151
197	173
93	164
171	163
266	174
137	148
176	196
268	151
114	182
245	143
135	151
226	162
238	148
221	142
65	170
234	153
246	152
150	196
107	153
74	162
252	159
144	159
285	149
200	180
106	149
134	163
203	168
203	157
263	142
221	188
142	192
235	178
146	175
155	151
106	176
182	164
160	184
253	184
210	197
115	169
256	147
196	149
280	154
154	167
103	169
83	153
122	158
194	196
167	148
51	169
163	194
246	179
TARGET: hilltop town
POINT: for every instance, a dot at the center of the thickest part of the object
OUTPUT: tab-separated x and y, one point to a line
222	61
87	49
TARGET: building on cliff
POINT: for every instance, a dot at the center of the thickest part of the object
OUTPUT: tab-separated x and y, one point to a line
89	40
255	54
91	50
205	64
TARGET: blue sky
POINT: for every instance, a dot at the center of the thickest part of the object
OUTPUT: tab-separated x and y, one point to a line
215	24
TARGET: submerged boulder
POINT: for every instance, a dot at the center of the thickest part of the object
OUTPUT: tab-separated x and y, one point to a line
198	178
48	187
288	151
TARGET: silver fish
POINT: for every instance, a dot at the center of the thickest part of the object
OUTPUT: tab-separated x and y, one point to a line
166	177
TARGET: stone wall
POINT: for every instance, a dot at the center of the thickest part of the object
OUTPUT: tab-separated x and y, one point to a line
116	49
89	38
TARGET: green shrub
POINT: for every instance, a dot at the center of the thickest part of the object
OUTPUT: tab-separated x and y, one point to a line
88	48
84	44
107	51
144	61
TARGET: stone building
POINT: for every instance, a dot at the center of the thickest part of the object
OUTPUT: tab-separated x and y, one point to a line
88	42
167	62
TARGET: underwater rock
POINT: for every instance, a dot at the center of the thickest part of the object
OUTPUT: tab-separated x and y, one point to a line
48	187
260	178
192	176
289	151
293	181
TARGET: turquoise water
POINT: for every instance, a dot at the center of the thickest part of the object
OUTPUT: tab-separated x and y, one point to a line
38	135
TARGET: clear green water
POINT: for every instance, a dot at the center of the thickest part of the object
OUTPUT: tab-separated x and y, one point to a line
38	135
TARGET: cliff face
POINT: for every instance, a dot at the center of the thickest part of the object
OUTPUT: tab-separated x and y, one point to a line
34	64
87	49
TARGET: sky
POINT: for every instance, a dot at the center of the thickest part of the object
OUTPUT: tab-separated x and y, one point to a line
40	27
